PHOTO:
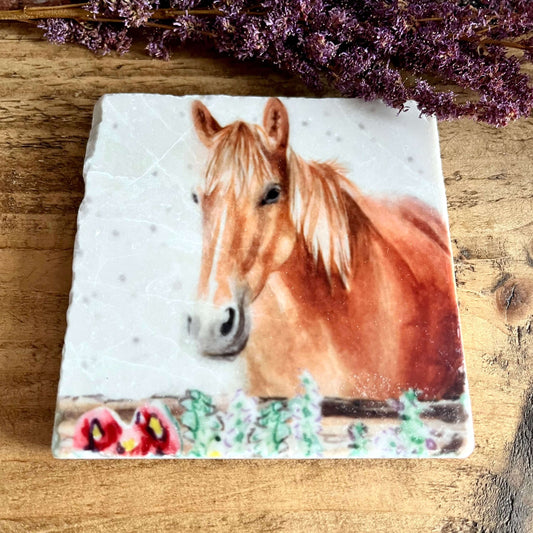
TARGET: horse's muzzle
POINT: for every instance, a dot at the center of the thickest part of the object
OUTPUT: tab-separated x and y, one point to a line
220	332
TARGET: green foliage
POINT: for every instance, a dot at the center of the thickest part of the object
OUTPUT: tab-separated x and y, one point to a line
203	424
272	429
239	422
359	442
306	413
243	430
413	431
411	438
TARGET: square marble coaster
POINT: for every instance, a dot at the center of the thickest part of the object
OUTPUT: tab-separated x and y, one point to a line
256	277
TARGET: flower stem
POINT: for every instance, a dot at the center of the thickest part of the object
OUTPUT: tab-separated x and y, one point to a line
508	44
77	12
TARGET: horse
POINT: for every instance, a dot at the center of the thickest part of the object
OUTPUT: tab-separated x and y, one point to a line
301	271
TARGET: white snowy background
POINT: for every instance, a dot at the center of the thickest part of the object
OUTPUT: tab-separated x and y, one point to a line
138	246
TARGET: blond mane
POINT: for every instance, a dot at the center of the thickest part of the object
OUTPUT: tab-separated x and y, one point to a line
240	153
316	190
319	212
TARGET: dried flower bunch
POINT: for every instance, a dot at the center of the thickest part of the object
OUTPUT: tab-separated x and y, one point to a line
394	50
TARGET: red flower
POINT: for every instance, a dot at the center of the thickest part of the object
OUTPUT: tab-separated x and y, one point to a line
98	430
151	431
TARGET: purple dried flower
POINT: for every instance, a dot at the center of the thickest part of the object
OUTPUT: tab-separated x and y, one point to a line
58	31
188	27
373	49
321	49
431	444
159	44
184	4
98	37
135	13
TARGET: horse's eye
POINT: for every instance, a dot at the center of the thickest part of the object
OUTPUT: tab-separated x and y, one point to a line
194	197
271	196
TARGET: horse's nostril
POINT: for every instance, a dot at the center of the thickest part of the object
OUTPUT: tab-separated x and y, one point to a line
189	322
227	326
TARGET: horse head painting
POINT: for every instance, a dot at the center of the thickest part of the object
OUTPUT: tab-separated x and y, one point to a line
301	271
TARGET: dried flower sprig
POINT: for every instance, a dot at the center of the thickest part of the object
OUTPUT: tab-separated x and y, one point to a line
394	50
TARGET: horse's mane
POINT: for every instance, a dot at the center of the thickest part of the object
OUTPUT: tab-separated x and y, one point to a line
319	212
240	152
317	192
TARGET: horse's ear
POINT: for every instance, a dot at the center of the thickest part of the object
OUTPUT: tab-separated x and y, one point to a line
276	123
204	123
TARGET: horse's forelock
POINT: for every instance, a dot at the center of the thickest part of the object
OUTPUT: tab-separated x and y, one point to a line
239	158
319	213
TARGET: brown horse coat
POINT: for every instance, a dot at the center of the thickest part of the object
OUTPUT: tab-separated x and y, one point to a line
303	272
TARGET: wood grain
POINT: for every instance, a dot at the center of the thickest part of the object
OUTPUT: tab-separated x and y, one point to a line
46	99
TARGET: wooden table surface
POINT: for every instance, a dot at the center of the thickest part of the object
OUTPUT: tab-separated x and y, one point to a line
46	98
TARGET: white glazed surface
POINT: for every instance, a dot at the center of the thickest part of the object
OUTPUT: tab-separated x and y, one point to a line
138	245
